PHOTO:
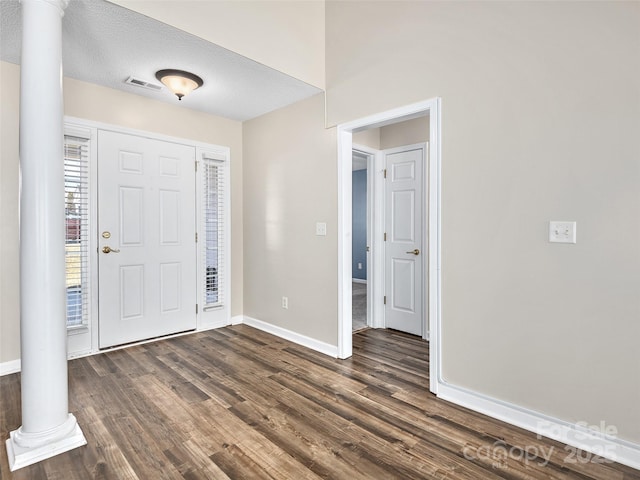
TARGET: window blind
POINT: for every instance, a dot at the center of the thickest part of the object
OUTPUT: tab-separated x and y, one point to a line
213	198
76	193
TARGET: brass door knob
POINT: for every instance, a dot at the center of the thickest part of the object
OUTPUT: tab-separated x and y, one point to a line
415	252
108	249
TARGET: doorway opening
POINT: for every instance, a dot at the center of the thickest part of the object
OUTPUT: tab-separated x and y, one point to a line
361	196
357	136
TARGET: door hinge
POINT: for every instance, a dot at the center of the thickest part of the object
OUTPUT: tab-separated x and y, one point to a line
196	308
384	300
196	237
385	173
196	162
385	236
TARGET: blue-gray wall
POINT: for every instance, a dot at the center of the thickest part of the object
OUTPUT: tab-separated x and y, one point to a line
359	238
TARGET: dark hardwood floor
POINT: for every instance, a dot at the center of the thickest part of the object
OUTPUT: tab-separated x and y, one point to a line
239	403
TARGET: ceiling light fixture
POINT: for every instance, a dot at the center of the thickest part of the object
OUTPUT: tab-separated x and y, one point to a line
179	82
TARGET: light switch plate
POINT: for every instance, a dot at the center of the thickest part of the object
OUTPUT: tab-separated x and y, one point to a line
562	232
321	228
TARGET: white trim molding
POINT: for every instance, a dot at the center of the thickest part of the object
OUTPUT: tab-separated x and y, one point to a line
573	435
12	366
294	337
345	256
345	131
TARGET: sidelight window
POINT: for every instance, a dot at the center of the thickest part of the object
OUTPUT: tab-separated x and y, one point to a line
76	194
213	244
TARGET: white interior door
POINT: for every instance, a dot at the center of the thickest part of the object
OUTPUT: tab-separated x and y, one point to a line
146	216
403	246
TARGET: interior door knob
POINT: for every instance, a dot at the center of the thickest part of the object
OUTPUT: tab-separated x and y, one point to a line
108	249
415	252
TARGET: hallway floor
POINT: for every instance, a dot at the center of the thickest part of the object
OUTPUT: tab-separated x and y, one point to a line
359	306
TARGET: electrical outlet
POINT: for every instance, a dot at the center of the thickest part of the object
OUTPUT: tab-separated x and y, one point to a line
285	303
321	229
562	232
359	266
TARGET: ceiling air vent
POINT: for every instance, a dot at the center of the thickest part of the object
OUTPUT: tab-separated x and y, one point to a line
143	83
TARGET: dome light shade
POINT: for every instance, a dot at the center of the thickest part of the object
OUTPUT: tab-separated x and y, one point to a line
179	82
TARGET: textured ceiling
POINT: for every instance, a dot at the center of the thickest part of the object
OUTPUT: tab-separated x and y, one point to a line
105	44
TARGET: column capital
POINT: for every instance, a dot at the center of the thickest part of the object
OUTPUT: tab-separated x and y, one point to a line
61	5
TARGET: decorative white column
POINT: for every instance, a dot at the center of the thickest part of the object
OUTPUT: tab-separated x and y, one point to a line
47	426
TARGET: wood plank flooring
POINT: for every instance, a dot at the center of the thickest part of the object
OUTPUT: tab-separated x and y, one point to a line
237	403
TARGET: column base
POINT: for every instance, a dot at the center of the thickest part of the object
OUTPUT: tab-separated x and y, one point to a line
26	449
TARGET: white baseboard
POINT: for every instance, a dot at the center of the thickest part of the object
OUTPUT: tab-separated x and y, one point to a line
575	435
12	366
237	320
312	343
359	280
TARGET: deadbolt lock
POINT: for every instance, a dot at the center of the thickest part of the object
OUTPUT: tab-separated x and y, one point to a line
106	234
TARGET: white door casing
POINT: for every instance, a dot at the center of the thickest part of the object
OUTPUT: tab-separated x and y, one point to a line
432	226
404	250
146	203
375	230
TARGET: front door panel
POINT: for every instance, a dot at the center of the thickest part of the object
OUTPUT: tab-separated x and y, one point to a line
146	216
403	248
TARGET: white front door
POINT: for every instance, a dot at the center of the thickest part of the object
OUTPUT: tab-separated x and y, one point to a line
146	216
404	251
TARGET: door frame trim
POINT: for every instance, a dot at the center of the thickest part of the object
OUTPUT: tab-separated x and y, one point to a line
375	287
85	341
433	211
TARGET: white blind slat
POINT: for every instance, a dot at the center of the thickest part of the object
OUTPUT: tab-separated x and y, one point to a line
214	267
76	192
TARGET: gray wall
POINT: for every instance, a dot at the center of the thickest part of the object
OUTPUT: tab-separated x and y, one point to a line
405	133
540	122
290	183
